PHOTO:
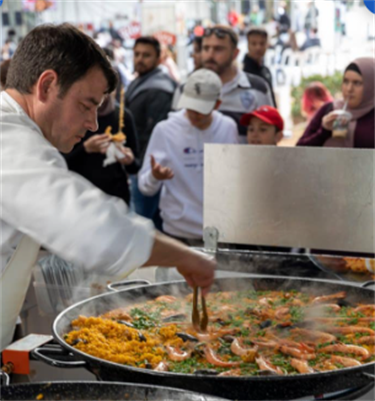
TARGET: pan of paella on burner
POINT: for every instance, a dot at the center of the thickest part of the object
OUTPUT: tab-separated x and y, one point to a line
268	337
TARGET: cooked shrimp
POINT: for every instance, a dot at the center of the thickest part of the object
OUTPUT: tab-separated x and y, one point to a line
367	340
346	349
232	372
350	330
176	354
166	298
265	301
247	354
162	367
213	358
118	314
297	353
323	307
302	346
347	362
281	313
265	344
365	308
318	336
301	366
264	364
213	335
339	295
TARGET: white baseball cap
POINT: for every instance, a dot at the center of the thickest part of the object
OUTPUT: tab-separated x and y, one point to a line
201	91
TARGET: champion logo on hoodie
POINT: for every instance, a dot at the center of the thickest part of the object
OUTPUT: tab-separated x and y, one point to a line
190	151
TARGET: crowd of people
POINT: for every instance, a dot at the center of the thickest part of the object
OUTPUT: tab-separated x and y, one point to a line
142	142
158	171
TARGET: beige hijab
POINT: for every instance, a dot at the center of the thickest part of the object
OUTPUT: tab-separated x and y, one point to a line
367	67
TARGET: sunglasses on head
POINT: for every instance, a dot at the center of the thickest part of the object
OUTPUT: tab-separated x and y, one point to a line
220	33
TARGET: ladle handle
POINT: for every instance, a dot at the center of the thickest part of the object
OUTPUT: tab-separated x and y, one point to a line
38	353
137	283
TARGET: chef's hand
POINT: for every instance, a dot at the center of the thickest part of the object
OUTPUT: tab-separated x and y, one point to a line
328	120
97	143
198	270
128	156
159	172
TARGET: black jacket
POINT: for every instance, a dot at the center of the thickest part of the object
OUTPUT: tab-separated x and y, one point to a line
149	97
252	67
112	179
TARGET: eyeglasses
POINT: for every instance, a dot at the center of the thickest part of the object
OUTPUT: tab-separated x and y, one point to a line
221	33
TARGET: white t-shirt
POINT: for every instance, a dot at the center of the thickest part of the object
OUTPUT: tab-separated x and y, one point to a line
175	143
60	209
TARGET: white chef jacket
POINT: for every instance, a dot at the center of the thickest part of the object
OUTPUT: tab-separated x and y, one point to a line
60	209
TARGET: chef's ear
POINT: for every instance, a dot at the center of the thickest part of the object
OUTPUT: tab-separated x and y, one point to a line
47	85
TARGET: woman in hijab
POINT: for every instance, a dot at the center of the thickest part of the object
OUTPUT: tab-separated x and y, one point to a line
358	93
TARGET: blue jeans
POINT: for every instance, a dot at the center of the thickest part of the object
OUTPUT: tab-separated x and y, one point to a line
146	206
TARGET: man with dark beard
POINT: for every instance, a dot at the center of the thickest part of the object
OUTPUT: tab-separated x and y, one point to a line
241	92
149	98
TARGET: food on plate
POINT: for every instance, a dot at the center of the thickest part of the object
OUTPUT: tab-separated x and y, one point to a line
250	333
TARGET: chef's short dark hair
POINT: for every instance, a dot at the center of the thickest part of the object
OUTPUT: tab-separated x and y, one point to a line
258	32
149	40
62	48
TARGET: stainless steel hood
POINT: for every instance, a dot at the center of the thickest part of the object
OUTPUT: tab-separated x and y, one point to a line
320	198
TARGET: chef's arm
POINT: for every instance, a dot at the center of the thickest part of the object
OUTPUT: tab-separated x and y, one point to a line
196	267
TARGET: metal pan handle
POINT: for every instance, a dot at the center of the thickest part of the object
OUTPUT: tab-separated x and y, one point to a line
39	354
4	378
137	283
368	283
369	375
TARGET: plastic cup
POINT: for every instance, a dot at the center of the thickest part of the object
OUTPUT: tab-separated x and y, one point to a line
341	124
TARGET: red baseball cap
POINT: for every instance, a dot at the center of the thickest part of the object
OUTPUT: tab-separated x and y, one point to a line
268	114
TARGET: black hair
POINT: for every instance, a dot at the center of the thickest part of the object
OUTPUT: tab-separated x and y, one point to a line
353	67
257	31
198	41
149	40
62	48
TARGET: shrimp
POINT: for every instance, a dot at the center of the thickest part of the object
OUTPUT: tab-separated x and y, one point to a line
301	366
294	344
339	295
314	335
264	364
118	314
266	344
346	349
265	301
213	335
297	353
238	349
232	372
169	299
281	313
347	362
368	340
365	308
350	330
162	367
212	358
323	307
175	354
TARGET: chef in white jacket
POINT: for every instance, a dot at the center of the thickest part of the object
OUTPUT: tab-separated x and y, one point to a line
57	79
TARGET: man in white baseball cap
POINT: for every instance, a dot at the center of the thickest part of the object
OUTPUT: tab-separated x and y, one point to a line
174	156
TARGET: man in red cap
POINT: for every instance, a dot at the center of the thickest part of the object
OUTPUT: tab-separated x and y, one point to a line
264	126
